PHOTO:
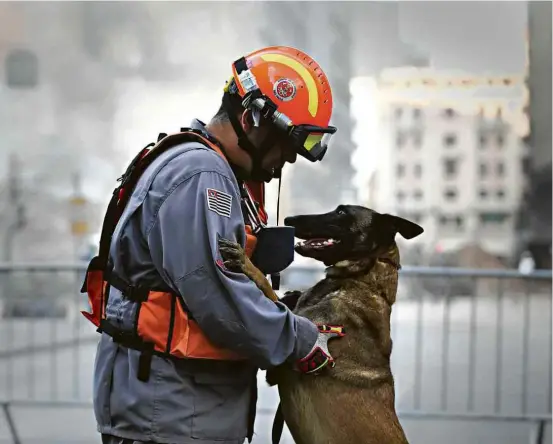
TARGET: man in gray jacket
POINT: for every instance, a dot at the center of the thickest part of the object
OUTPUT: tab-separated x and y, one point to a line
167	236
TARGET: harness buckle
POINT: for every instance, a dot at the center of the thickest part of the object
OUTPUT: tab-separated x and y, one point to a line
136	293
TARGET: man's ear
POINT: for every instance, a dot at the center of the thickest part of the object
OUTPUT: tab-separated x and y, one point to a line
246	120
406	228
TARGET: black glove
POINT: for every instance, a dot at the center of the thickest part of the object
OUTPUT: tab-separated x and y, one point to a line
290	299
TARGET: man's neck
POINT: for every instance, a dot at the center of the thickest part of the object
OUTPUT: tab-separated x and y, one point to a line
224	133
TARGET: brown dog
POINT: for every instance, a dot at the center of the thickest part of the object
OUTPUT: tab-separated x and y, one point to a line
352	403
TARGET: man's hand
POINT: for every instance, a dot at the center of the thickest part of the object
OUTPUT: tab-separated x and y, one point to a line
290	299
319	356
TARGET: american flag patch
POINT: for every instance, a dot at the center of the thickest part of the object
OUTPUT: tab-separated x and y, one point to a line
219	202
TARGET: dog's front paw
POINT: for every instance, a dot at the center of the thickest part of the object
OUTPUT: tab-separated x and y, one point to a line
234	256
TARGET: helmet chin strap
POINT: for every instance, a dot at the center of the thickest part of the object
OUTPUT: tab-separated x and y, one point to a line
256	154
278	175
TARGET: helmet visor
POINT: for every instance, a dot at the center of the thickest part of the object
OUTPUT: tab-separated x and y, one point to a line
311	141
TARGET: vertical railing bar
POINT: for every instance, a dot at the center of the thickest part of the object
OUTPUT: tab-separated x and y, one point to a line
525	347
30	365
539	432
76	333
472	347
499	345
11	423
53	363
10	333
549	348
445	346
418	353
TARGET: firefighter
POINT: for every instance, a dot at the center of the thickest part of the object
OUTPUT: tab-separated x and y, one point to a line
182	336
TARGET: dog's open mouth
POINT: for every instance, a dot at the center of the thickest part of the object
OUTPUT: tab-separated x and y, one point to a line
318	243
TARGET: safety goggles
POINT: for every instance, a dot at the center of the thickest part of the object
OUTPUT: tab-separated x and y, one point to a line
311	141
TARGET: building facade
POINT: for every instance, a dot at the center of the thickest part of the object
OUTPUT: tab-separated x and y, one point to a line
534	218
451	156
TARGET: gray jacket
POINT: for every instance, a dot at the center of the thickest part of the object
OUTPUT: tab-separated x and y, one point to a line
168	235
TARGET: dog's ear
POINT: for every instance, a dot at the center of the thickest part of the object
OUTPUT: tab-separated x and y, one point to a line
406	228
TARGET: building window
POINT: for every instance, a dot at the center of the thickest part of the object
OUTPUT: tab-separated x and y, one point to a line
450	194
491	218
400	139
526	165
418	170
483	141
400	195
417	114
21	67
400	170
483	170
500	168
417	139
452	221
398	112
451	167
450	140
417	194
483	194
449	113
500	140
500	194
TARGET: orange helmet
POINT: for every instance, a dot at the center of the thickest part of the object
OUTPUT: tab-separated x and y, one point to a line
290	89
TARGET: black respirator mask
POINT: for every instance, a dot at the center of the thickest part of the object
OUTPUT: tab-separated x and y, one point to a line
274	250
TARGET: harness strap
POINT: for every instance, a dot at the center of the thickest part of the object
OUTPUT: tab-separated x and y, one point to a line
278	425
135	293
132	341
139	293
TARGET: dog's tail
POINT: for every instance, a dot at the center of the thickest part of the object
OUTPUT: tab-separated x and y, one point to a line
278	425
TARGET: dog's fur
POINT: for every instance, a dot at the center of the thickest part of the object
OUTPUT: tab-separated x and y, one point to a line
354	401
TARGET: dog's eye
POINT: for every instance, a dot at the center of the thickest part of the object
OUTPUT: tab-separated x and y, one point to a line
341	212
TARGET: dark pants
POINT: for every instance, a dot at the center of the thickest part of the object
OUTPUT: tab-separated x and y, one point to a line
107	439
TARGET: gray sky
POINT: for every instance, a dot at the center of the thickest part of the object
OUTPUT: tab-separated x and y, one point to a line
474	36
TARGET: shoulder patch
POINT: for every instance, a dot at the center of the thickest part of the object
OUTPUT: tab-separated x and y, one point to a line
219	202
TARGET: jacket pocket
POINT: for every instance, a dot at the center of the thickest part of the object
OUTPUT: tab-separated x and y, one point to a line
221	406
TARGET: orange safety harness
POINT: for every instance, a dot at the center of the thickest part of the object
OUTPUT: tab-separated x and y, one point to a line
163	326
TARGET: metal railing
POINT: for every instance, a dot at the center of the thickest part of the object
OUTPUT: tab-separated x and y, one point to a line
468	344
